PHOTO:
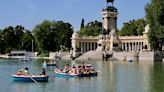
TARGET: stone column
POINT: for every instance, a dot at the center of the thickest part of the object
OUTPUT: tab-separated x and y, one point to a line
136	46
81	47
87	46
91	46
140	47
125	46
84	46
94	47
132	46
122	45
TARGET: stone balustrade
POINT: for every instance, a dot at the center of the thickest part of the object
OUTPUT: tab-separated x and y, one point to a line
131	37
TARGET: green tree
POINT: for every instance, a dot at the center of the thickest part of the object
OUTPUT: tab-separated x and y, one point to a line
134	27
91	29
12	39
64	33
43	34
27	40
18	34
9	39
155	19
49	35
1	42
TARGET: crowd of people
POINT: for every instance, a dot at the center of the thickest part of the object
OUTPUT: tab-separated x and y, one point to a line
79	69
75	69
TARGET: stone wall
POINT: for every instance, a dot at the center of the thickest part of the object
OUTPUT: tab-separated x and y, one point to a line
158	56
146	56
124	56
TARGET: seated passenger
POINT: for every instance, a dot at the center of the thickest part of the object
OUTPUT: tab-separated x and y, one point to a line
20	72
43	72
91	69
57	69
66	68
73	70
26	72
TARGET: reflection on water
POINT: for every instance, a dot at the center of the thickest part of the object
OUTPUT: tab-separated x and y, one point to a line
112	77
157	78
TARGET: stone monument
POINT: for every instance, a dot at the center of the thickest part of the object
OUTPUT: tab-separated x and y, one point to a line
109	27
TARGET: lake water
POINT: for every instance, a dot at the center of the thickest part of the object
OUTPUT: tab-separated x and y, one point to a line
112	77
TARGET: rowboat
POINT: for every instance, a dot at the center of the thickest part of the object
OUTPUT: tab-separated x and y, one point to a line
88	74
67	75
51	64
30	78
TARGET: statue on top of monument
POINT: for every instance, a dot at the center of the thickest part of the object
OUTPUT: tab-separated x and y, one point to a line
110	1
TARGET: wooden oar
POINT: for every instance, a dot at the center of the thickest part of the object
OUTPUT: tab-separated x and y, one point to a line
33	79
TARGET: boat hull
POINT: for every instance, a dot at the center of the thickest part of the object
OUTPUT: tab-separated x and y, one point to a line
88	75
65	75
51	64
30	78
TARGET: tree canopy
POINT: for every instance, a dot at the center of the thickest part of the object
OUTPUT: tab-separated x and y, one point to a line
91	29
134	27
50	35
155	19
11	38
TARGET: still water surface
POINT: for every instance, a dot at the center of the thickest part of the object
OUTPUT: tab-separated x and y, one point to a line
112	77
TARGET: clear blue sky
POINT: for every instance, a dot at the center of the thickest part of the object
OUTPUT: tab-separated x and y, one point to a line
29	13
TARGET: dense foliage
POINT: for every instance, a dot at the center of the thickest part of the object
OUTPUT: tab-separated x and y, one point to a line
51	35
91	29
14	38
155	19
134	27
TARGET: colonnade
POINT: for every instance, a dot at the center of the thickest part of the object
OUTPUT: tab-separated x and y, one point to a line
87	46
132	46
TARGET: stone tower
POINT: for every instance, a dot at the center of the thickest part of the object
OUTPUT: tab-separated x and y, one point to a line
109	39
109	19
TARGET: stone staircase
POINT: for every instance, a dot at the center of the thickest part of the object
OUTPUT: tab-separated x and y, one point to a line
91	55
66	57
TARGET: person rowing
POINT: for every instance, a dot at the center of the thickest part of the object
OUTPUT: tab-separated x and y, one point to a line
26	71
43	72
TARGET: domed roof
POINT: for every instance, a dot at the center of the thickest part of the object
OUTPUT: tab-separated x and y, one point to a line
74	35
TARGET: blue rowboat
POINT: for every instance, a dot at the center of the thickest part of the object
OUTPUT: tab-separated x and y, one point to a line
65	75
51	64
30	78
